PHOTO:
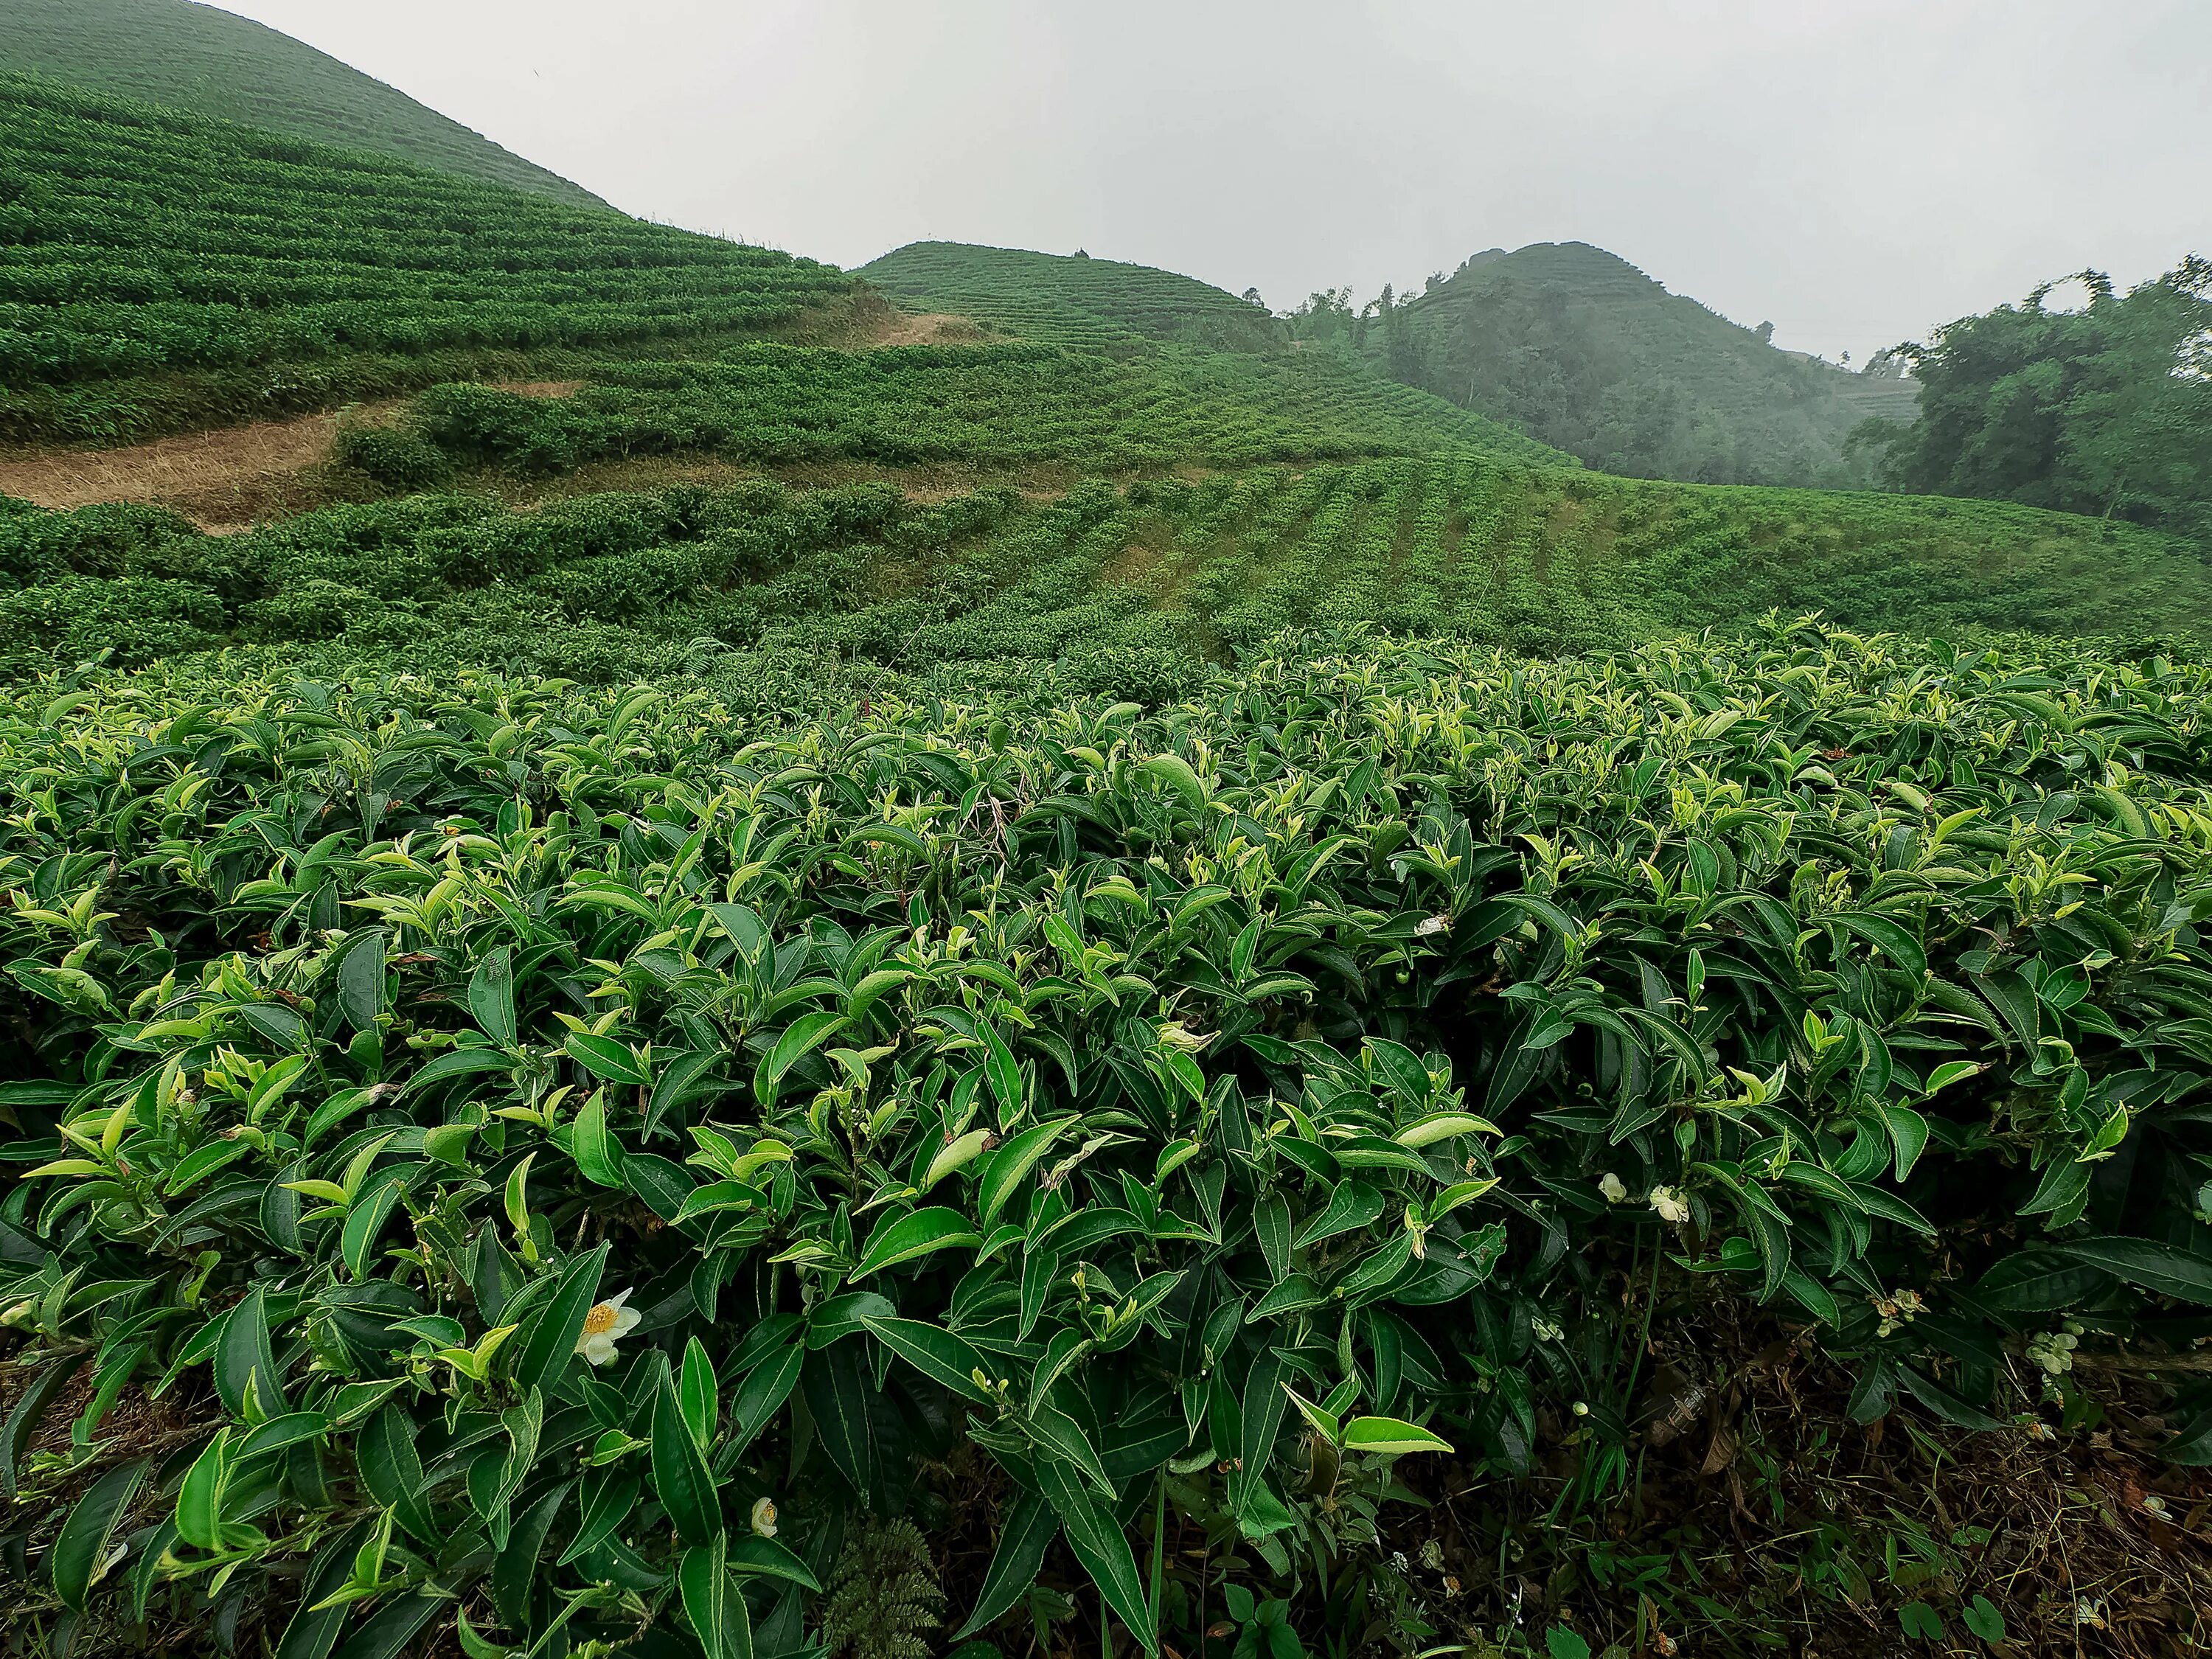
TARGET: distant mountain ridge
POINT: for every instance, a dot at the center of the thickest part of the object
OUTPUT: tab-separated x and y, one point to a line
211	62
1585	351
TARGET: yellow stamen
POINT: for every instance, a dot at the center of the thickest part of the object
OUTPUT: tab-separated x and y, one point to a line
601	1319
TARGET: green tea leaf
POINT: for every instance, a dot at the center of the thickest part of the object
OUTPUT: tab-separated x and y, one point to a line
80	1553
491	996
938	1354
917	1233
680	1477
608	1060
1389	1437
546	1343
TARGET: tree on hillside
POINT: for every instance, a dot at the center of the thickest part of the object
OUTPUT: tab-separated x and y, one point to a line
2106	409
1327	316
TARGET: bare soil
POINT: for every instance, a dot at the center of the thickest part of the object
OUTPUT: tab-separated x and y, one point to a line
932	328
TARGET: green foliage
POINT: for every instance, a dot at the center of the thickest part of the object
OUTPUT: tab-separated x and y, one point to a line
215	63
1579	349
1006	405
1100	304
398	458
1189	334
2105	409
883	1594
1126	590
139	244
1201	1109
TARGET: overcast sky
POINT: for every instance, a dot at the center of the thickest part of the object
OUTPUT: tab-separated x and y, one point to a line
1855	171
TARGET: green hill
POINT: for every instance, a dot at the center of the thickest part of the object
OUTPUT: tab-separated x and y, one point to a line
1581	350
1194	330
197	57
159	270
1073	298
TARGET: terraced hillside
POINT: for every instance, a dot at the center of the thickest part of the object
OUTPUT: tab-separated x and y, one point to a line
1194	329
169	269
1074	299
199	57
160	269
1579	348
1131	590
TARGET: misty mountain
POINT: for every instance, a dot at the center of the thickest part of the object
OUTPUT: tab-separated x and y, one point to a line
1581	350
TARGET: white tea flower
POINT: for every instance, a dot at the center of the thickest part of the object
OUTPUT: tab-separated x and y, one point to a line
1672	1210
764	1517
1612	1186
607	1323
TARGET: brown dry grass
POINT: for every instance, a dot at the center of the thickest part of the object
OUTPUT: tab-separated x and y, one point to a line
225	479
923	484
220	478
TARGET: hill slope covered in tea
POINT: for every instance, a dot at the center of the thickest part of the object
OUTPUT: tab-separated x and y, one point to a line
201	58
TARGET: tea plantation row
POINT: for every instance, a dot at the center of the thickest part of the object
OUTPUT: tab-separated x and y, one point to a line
1131	586
157	268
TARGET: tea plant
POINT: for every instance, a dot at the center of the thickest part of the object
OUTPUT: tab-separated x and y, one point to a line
1124	589
567	1155
158	268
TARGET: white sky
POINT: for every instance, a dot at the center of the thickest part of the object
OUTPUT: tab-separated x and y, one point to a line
1855	171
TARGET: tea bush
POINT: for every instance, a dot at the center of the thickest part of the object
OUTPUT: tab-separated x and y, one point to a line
1010	405
218	64
141	247
1128	588
398	458
564	1156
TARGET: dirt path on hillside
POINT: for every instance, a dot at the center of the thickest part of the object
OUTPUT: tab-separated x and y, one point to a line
218	479
224	479
932	328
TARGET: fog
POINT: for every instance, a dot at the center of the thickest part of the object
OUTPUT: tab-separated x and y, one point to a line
1855	173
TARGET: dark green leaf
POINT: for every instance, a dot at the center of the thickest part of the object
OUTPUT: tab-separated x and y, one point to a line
1102	1546
245	1351
23	1416
607	1060
801	1038
937	1353
917	1233
393	1471
361	978
2162	1269
838	1398
80	1553
514	1571
1014	1566
491	996
547	1341
680	1477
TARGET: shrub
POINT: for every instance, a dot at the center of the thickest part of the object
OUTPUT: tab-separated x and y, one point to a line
132	619
552	1124
396	457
